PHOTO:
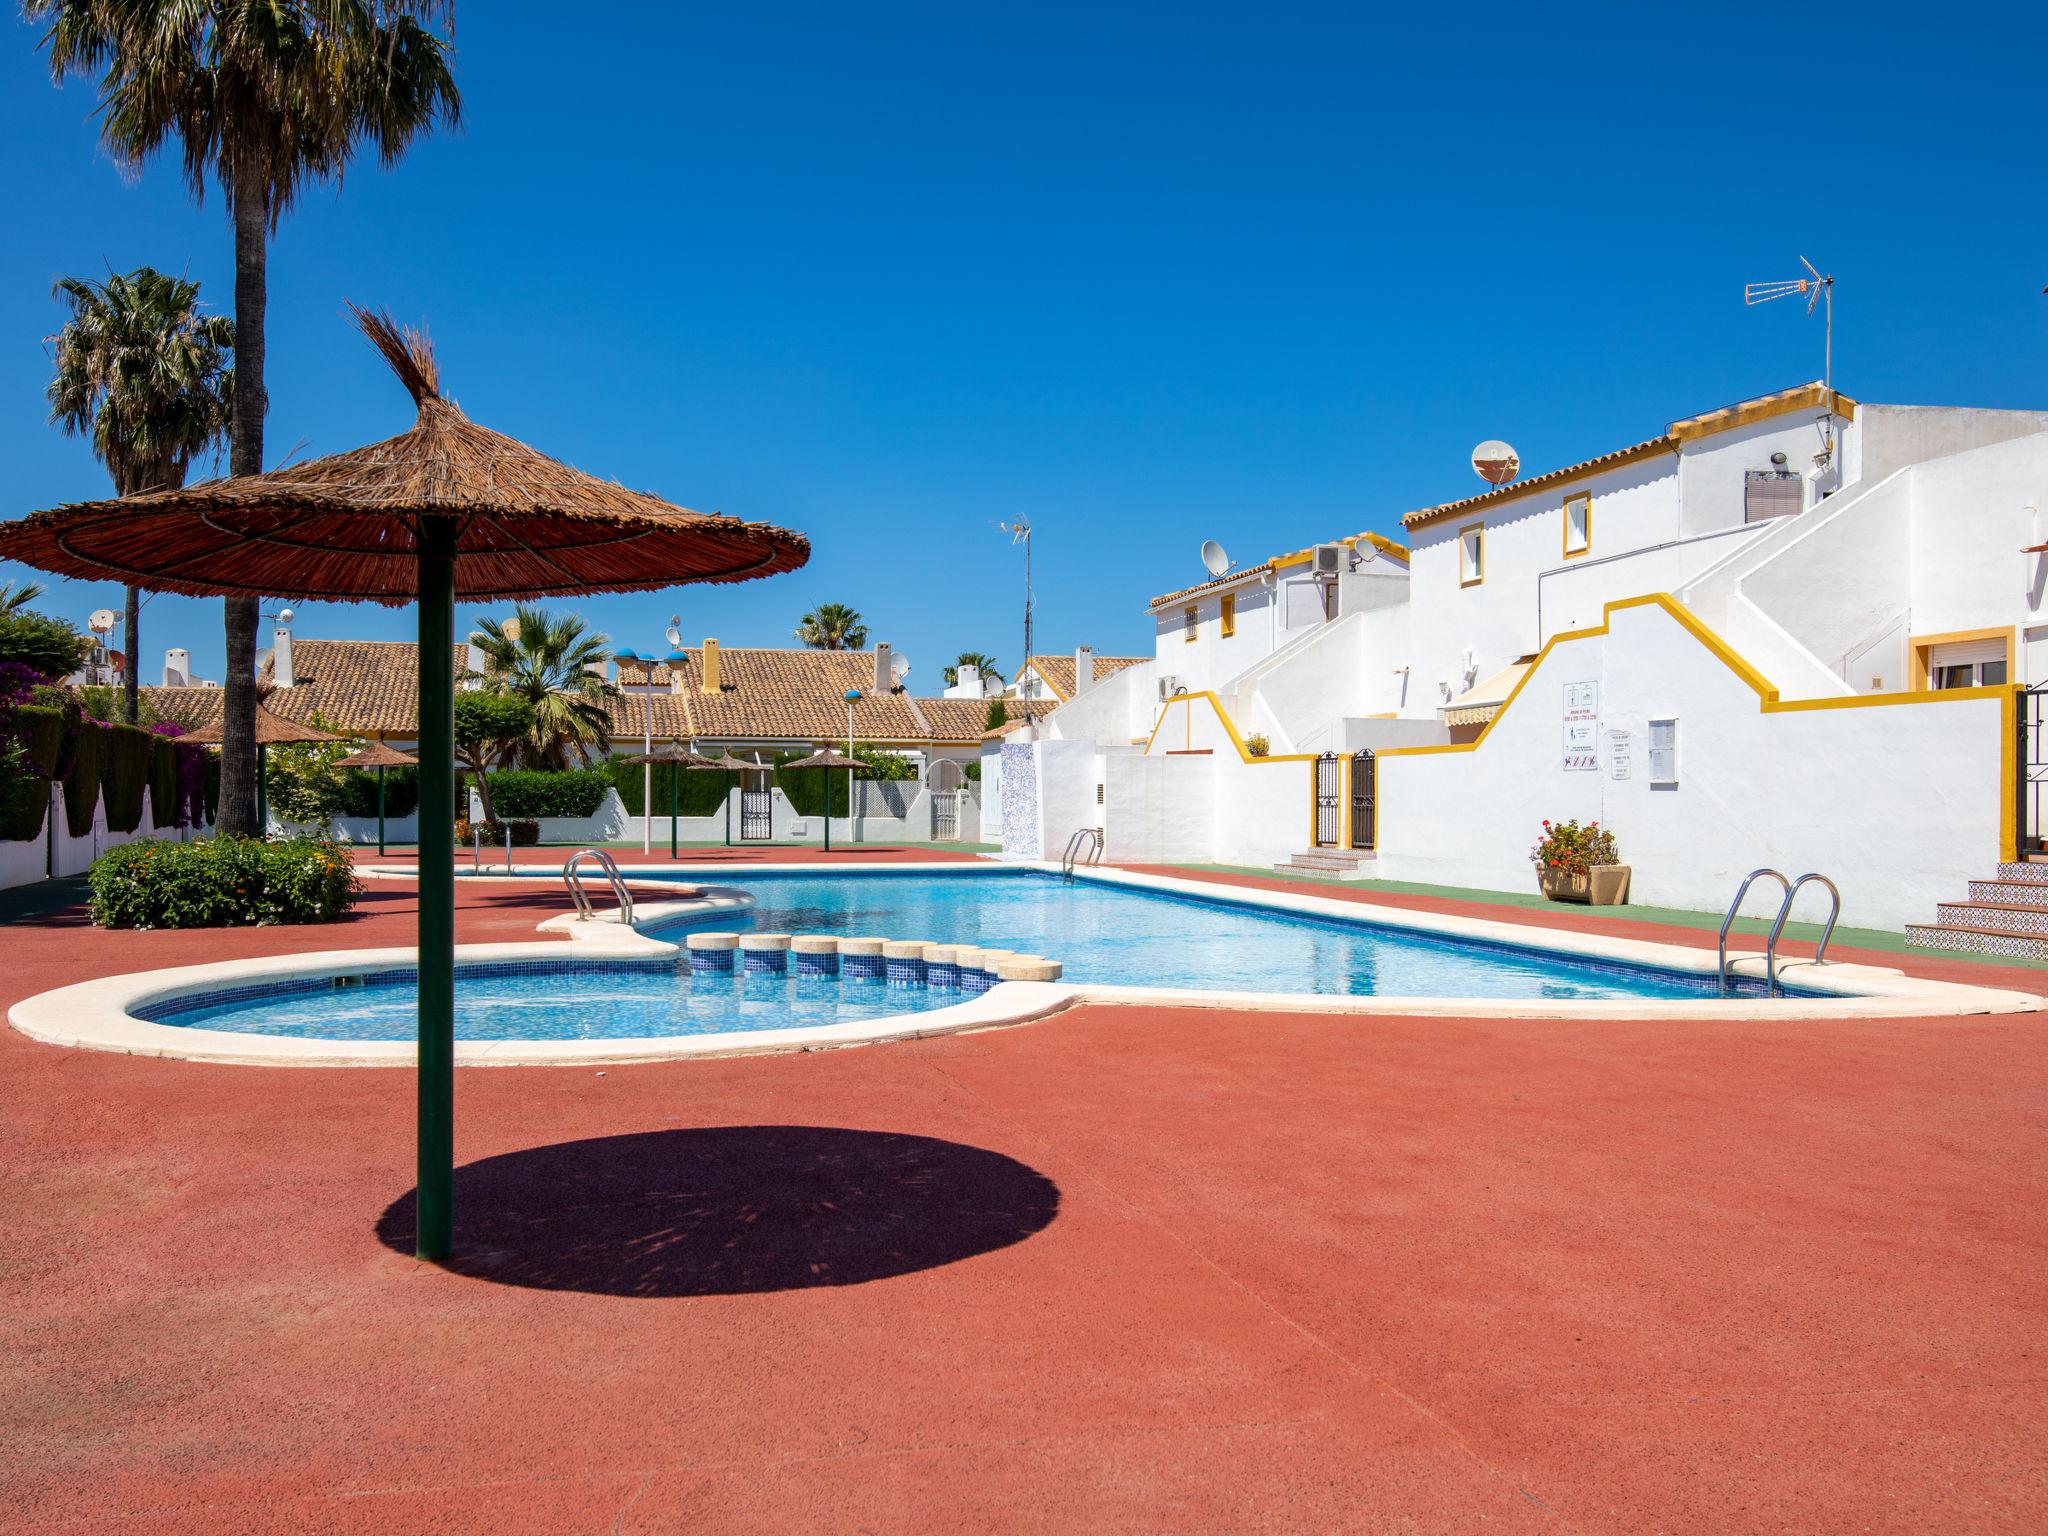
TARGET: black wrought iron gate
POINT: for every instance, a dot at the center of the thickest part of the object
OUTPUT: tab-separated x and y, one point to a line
2030	814
1329	800
1365	799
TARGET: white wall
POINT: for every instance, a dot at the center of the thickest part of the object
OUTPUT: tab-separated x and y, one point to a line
1972	515
1158	810
1796	789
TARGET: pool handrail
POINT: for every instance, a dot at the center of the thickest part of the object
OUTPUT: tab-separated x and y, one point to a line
1770	950
572	877
1785	910
1092	837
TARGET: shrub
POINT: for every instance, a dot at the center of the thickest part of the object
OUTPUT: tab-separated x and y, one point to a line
1572	849
1256	745
997	716
519	794
698	793
125	770
43	736
973	771
525	834
221	882
34	640
165	802
359	792
82	784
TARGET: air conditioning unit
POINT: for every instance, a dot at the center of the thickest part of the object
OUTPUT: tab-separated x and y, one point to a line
1169	686
1329	561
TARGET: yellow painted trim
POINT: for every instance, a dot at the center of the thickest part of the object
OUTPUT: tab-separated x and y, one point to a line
1032	666
1769	703
1565	534
1226	610
1344	835
1480	562
1917	647
1763	408
1229	726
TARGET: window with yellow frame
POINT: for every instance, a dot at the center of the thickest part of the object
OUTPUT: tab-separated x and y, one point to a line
1229	614
1472	555
1578	525
1190	623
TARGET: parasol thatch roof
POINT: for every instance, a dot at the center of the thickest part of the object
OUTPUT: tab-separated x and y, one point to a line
668	754
271	731
377	755
345	527
725	762
827	758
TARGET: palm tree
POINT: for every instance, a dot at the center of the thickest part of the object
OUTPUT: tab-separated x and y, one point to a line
144	373
547	660
981	661
13	599
265	97
832	627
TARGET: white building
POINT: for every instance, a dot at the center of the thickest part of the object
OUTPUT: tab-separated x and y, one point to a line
1822	608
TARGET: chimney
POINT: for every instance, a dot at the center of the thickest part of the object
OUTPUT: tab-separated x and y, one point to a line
177	668
710	683
885	675
969	680
1084	669
281	658
475	660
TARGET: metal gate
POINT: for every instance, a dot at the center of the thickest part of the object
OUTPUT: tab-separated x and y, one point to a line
946	816
1365	799
757	815
2032	780
1329	800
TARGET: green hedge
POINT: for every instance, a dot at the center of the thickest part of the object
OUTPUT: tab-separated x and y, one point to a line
698	792
221	882
163	781
522	794
525	834
126	750
82	788
359	792
42	735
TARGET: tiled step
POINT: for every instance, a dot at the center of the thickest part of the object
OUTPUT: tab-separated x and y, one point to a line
2015	893
2004	916
1980	940
1330	861
2026	873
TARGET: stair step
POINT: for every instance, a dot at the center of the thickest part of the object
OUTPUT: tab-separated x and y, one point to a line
1980	940
2025	872
2017	893
2012	917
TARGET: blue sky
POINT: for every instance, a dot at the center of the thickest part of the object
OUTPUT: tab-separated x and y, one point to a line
1145	274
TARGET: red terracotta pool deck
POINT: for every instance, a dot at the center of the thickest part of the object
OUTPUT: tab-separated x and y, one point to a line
1128	1269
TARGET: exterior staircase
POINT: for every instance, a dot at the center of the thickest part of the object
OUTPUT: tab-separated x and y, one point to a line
2006	916
1358	864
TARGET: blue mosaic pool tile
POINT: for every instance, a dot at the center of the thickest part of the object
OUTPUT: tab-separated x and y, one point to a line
773	961
710	962
906	973
817	965
943	974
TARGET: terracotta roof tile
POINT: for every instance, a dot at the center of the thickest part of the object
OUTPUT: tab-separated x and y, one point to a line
1059	670
1379	541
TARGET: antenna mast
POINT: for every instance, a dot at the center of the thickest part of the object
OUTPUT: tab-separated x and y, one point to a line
1019	530
1818	289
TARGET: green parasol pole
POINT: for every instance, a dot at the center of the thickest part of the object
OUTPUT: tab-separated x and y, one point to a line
380	810
436	1188
675	771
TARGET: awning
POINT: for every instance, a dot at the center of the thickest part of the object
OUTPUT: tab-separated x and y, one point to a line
1482	701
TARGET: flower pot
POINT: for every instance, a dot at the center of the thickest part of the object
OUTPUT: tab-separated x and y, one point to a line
1602	885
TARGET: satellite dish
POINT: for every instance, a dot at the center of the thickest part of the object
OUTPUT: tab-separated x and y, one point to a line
285	615
675	633
899	666
1495	462
1214	558
1364	552
101	622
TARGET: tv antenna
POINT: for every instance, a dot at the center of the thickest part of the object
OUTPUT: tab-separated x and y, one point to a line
1019	530
1818	289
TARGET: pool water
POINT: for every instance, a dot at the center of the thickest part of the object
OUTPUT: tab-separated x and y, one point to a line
1099	932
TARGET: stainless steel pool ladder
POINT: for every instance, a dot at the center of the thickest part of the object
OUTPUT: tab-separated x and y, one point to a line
1085	846
476	848
572	877
1791	889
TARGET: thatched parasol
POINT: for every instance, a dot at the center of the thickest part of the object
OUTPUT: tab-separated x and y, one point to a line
272	730
727	764
378	756
447	509
679	757
826	758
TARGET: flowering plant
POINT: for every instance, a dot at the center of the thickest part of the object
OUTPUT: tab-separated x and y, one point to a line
1571	849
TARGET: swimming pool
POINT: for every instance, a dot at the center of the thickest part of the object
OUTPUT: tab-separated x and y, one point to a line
1103	933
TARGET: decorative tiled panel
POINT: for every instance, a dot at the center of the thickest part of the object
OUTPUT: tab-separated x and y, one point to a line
2010	946
2023	893
2030	874
1962	914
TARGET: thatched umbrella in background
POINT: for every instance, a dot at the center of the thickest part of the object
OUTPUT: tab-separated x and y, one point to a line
378	756
728	765
826	758
678	757
446	510
272	730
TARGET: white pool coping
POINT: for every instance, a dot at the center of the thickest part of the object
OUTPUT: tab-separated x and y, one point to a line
98	1015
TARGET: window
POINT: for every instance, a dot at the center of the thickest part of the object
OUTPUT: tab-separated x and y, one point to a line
1229	614
1981	660
1578	526
1190	623
1664	751
1472	555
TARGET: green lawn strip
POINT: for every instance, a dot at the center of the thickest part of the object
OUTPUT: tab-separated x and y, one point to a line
1859	938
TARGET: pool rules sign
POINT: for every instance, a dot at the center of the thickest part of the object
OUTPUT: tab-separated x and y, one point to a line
1581	727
